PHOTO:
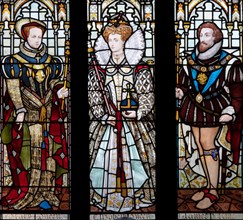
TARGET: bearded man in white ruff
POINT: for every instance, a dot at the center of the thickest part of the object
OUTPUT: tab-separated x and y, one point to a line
210	91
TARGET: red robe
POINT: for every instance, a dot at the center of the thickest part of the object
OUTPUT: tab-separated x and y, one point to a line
20	176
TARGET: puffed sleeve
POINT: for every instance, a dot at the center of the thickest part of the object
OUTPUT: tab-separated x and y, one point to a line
183	78
235	84
11	68
56	66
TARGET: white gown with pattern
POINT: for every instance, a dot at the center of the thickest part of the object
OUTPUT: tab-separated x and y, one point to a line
137	136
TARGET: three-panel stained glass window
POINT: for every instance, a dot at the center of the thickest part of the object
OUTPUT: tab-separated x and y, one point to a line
36	120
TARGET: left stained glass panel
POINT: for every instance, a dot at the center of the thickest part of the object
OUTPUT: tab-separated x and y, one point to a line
35	108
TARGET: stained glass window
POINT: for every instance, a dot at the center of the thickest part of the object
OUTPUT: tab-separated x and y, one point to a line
35	109
209	94
121	109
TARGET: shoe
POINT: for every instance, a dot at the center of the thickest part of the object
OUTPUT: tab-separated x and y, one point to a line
195	197
45	205
212	198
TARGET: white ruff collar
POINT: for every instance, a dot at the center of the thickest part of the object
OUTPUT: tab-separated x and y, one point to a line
210	52
134	49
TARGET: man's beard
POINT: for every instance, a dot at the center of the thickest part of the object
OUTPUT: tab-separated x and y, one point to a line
203	47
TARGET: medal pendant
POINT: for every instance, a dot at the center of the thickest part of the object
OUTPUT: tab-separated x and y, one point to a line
202	78
199	98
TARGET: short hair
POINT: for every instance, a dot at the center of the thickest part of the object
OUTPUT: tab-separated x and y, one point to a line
217	33
26	29
124	30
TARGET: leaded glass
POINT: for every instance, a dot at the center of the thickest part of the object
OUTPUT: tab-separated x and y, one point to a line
209	94
121	109
35	108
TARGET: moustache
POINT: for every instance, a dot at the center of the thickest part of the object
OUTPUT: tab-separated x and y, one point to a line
203	43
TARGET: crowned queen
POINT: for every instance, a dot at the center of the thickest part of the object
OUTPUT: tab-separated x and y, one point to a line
122	136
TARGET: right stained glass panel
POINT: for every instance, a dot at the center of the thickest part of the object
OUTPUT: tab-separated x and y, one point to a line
209	113
122	109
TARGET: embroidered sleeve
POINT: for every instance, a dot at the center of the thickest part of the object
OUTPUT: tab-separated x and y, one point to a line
95	97
13	86
145	91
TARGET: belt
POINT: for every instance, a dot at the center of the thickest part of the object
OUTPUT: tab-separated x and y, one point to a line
209	96
201	107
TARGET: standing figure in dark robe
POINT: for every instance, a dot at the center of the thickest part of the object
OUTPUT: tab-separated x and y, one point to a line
210	91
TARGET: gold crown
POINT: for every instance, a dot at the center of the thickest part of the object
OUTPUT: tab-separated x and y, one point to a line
115	21
118	19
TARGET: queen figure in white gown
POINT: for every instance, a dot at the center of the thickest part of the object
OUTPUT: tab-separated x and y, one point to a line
122	132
